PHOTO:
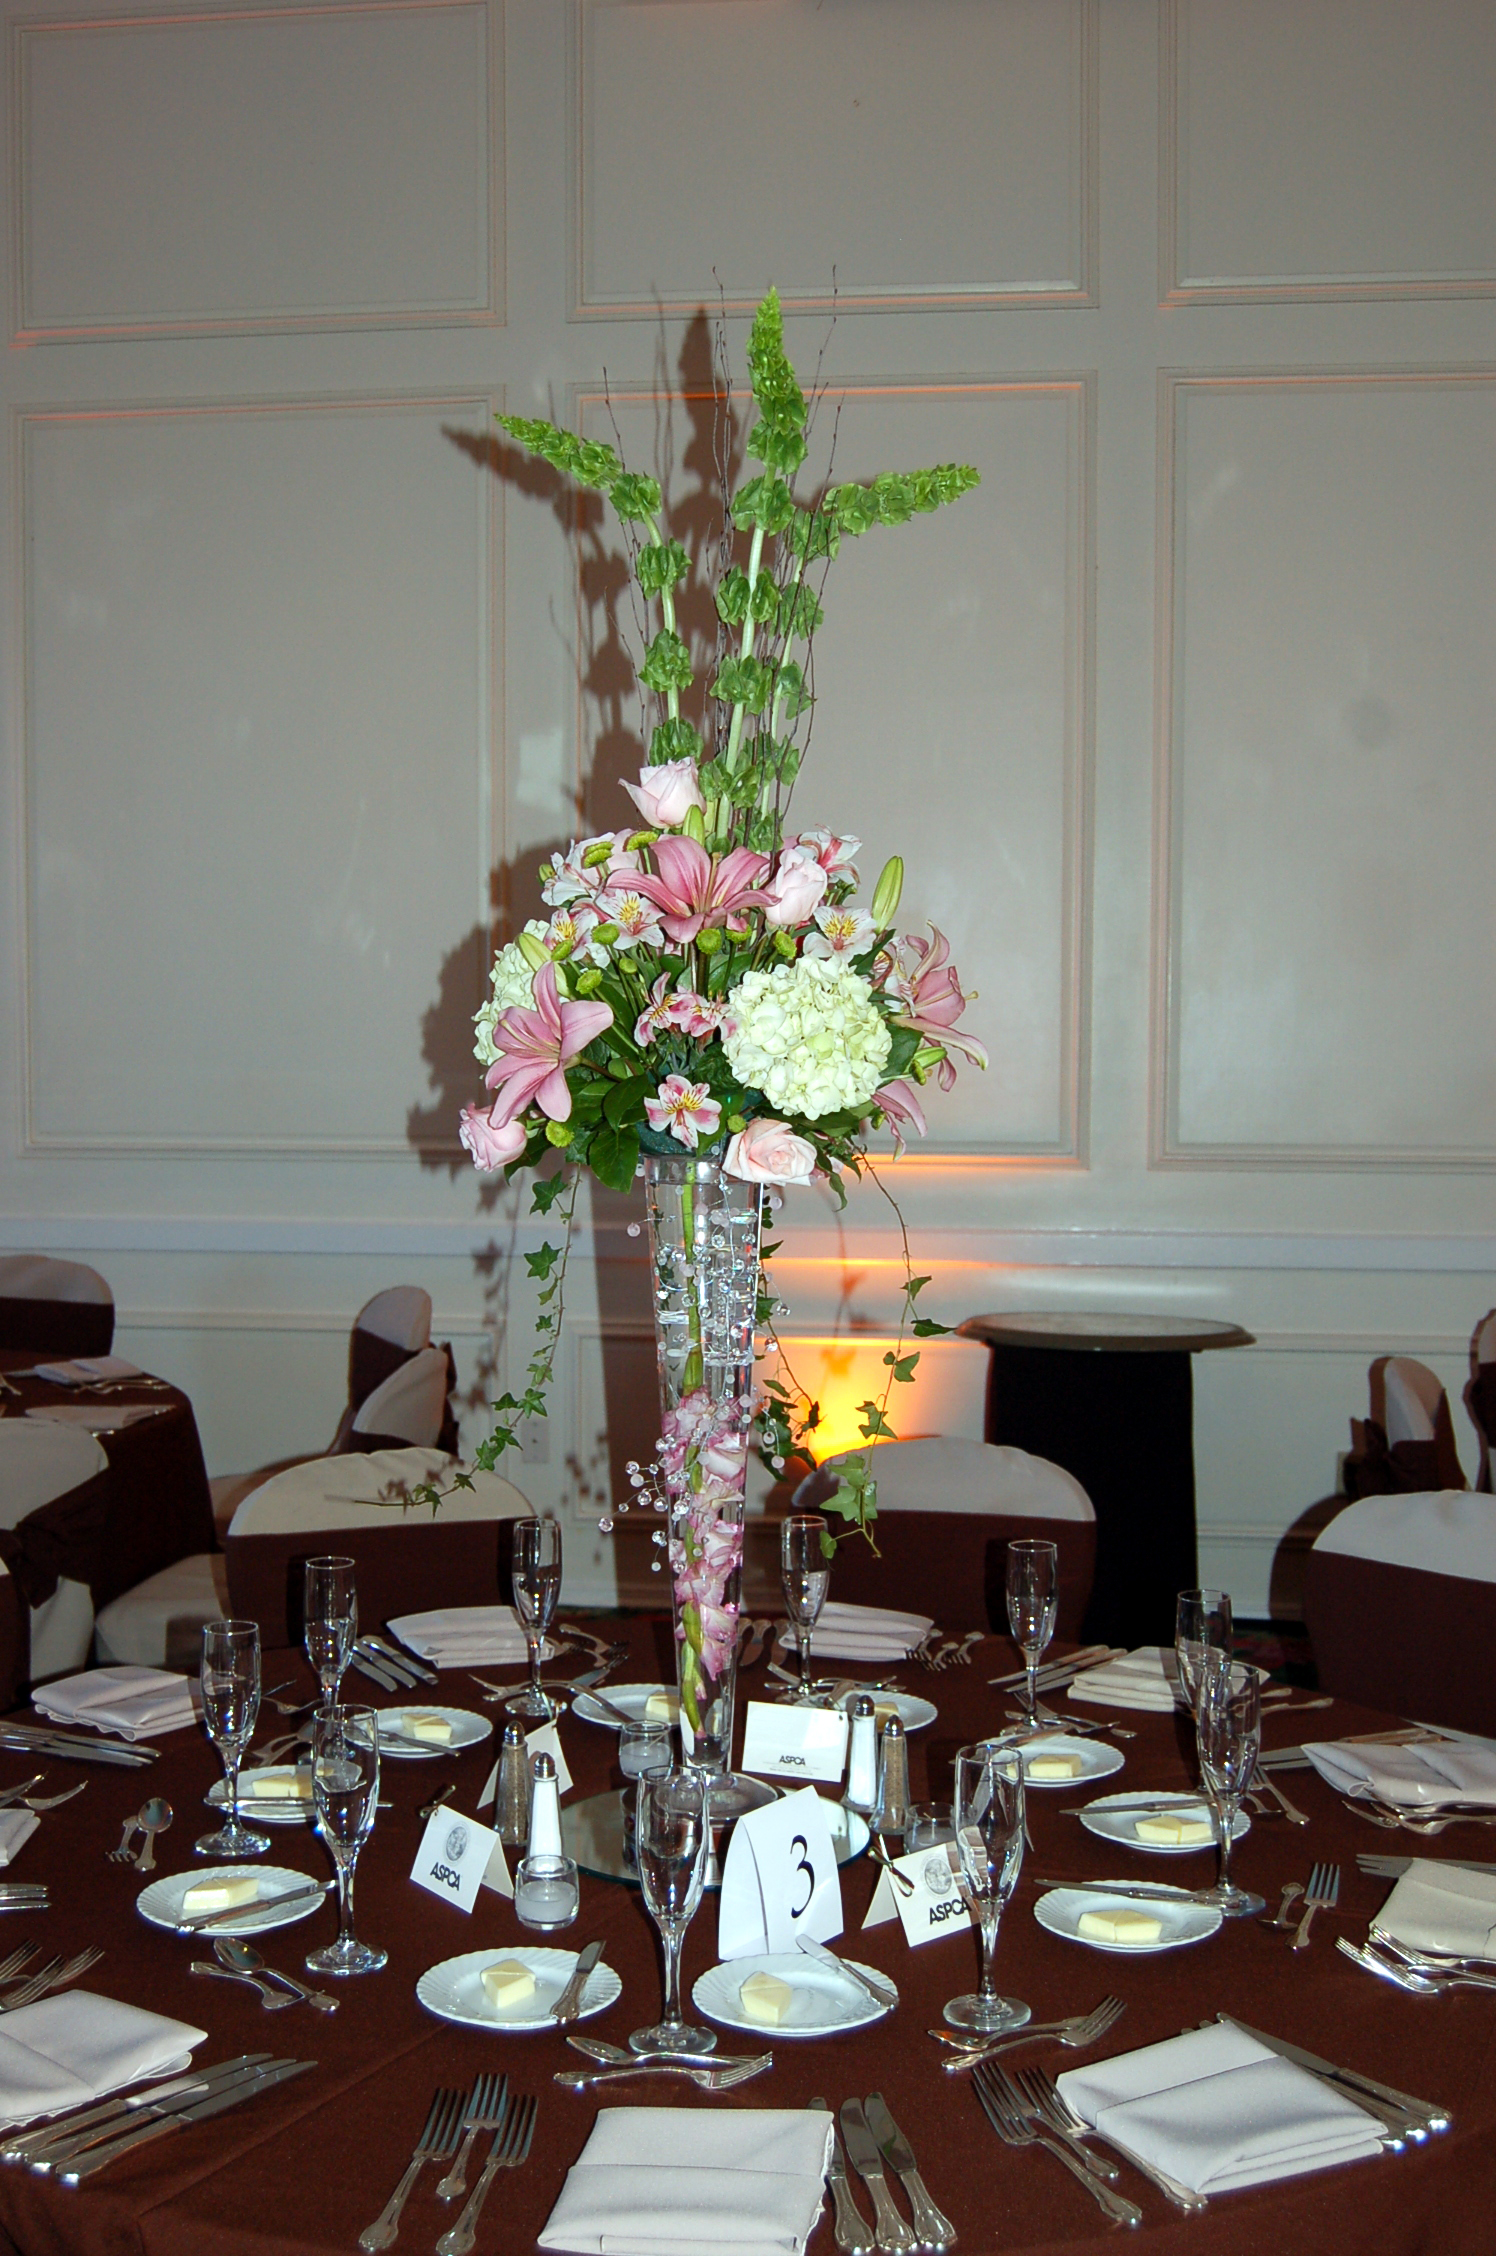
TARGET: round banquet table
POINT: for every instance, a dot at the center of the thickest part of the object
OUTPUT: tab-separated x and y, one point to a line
305	2168
160	1506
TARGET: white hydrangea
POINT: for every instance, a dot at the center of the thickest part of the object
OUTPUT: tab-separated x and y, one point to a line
807	1034
513	982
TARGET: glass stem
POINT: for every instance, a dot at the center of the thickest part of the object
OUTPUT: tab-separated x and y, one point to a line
1031	1665
1225	1817
804	1637
988	1915
232	1758
534	1644
672	1937
344	1868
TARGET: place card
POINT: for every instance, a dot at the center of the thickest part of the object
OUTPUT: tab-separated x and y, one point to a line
783	1742
780	1880
934	1909
454	1858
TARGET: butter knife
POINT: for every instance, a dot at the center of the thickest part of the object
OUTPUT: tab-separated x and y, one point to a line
1132	1890
852	2231
882	1993
932	2227
1417	2111
200	1920
862	2151
568	2004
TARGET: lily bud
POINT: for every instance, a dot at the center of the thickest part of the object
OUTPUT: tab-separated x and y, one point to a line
589	981
558	1132
887	890
694	825
536	954
709	940
600	851
924	1062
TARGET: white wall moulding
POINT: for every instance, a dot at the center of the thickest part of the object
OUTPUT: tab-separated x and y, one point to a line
914	155
1326	683
1317	152
258	169
954	696
264	790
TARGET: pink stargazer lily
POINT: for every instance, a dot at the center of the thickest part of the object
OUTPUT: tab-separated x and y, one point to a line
692	890
535	1046
922	977
901	1109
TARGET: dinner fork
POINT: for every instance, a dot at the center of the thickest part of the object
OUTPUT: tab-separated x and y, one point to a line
511	2148
41	1802
436	2142
1322	1894
1076	2032
10	1967
1410	1977
485	2111
1005	2110
53	1977
1041	2089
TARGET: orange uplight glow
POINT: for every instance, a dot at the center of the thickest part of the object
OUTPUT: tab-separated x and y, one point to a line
842	1372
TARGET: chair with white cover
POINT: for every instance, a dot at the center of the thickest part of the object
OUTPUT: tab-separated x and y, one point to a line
1480	1396
408	1409
57	1307
159	1624
947	1510
407	1561
1400	1605
1406	1445
54	1503
387	1331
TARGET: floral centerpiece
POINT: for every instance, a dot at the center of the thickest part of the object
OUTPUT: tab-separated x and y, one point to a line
710	1003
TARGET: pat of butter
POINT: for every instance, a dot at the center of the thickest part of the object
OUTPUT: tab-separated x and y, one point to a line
1176	1832
1120	1927
433	1727
220	1895
765	1998
288	1786
1052	1766
662	1707
508	1983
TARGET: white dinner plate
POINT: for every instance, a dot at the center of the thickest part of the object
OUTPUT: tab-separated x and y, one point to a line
467	1731
1115	1819
454	1989
261	1810
1184	1922
825	2003
161	1902
1098	1759
630	1699
912	1712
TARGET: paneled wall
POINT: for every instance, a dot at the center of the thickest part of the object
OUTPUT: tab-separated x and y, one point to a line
1182	720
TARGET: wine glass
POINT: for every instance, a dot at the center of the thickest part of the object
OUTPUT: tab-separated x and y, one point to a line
672	1834
1033	1602
1202	1625
231	1705
329	1622
535	1587
1228	1726
988	1816
345	1792
805	1571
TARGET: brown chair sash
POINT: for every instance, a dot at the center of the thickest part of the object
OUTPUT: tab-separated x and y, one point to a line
1403	1468
57	1327
60	1538
15	1647
1403	1640
371	1361
409	1566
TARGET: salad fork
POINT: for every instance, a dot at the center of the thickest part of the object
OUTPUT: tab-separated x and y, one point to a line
1005	2110
436	2142
485	2111
510	2149
1040	2088
1322	1894
53	1977
1076	2032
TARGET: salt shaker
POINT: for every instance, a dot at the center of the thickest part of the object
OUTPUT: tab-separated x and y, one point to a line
893	1778
545	1809
512	1815
862	1759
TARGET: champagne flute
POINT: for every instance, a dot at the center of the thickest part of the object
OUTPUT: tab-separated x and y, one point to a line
329	1622
1228	1726
1202	1625
805	1571
672	1835
231	1706
988	1815
345	1793
1033	1602
535	1587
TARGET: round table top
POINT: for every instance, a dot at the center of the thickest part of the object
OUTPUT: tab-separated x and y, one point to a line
1103	1328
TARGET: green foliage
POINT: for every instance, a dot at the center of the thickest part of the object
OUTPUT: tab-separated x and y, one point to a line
667	663
545	1190
660	565
590	463
789	687
613	1155
800	614
765	501
748	682
635	496
675	740
733	593
541	1264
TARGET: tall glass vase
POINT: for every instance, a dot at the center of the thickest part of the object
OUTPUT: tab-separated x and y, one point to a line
704	1230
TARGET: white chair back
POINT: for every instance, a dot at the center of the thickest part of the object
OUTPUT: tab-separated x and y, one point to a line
35	1276
343	1493
39	1462
402	1315
1485	1339
947	1473
1413	1395
411	1403
1447	1531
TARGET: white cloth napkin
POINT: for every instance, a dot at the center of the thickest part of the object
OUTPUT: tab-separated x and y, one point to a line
88	1370
99	1417
742	2183
465	1637
1147	1679
1217	2110
1414	1777
1435	1908
65	2051
862	1633
134	1703
16	1829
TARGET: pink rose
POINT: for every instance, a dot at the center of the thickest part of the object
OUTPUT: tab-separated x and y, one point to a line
768	1152
491	1146
665	795
794	892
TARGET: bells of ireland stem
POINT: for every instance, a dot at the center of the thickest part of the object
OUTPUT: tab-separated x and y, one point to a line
887	890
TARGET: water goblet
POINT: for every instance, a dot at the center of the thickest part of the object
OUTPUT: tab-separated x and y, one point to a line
345	1793
1228	1728
1202	1625
672	1837
535	1586
1033	1602
988	1815
329	1622
805	1571
231	1706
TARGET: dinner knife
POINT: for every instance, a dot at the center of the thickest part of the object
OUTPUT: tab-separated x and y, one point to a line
202	1919
387	1681
127	1756
851	2229
123	2105
1424	2111
396	1657
933	2228
862	2151
98	2124
568	2004
257	2080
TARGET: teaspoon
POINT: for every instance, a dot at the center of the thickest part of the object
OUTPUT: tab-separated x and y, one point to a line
154	1818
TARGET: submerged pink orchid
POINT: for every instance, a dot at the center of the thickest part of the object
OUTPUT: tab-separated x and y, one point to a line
692	890
535	1046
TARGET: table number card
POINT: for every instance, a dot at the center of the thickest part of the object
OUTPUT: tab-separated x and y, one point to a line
795	1742
934	1909
454	1856
780	1880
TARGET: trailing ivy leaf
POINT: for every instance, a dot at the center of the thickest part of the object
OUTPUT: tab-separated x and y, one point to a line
925	1327
744	681
874	1424
765	501
667	663
635	496
613	1156
624	1102
545	1190
539	1265
902	1367
675	740
661	565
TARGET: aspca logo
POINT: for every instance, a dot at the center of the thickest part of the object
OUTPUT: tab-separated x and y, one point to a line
457	1841
936	1875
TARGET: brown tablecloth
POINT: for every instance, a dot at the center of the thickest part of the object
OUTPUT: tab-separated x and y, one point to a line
160	1506
306	2168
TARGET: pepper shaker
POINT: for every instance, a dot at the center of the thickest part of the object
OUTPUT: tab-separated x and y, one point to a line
893	1778
512	1815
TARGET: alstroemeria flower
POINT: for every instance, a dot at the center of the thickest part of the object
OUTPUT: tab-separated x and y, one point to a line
636	918
569	934
574	878
686	1108
843	932
692	890
534	1048
834	854
901	1109
920	975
